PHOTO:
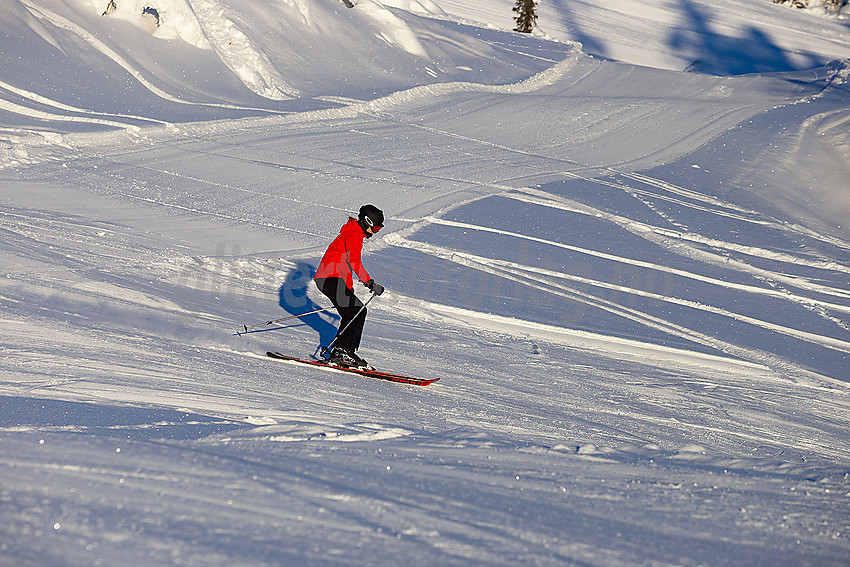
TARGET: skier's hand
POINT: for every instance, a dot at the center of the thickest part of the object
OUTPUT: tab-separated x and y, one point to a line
375	288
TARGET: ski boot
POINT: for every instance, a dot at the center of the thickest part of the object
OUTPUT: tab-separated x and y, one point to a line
342	357
361	362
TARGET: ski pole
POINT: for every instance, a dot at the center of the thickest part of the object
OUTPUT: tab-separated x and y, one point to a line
327	349
246	328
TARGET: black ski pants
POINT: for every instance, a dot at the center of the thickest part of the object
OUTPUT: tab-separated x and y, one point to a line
348	306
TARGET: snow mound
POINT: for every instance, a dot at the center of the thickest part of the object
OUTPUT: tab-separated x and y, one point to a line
167	19
241	53
304	431
200	56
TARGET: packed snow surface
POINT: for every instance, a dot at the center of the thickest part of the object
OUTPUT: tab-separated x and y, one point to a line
620	243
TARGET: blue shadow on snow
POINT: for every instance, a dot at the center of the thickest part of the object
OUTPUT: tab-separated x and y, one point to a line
122	422
718	54
294	300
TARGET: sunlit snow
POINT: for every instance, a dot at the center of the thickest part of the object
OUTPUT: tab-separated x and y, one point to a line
620	243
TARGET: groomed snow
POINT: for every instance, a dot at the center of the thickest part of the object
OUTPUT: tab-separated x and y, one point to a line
632	281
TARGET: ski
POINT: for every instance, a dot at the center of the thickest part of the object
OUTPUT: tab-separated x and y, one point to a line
371	373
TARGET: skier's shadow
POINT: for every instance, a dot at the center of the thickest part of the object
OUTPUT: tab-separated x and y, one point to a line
294	300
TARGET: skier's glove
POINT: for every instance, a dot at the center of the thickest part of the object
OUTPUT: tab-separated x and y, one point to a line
375	288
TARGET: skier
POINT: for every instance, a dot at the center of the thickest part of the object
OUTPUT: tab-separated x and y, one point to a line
334	279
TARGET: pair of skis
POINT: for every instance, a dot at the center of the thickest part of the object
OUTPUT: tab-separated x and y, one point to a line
326	364
371	373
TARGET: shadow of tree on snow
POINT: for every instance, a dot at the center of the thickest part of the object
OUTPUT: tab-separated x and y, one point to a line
719	54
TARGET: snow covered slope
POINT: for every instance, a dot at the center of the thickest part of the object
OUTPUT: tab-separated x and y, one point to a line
633	283
212	60
745	36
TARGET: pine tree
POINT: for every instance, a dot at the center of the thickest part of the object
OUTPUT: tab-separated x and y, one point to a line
526	18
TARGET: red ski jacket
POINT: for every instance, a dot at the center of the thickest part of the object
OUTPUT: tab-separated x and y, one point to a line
343	256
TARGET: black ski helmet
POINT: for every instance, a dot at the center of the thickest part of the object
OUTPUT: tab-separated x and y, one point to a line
370	217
